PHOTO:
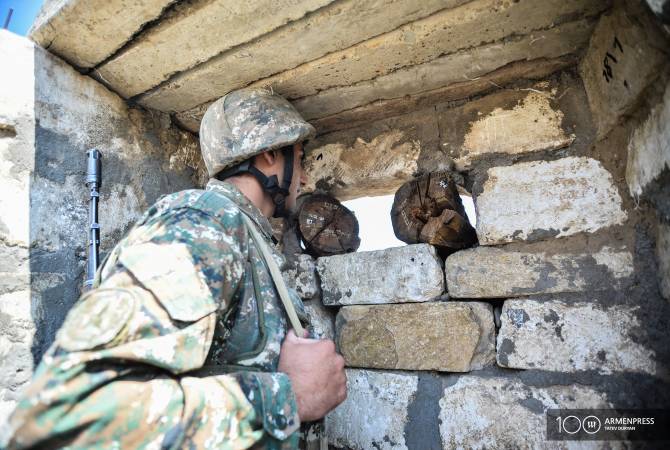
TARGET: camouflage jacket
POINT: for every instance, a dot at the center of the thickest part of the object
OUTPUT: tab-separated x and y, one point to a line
178	344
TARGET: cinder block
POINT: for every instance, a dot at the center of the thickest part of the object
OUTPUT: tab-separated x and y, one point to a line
412	273
444	336
486	272
545	199
571	336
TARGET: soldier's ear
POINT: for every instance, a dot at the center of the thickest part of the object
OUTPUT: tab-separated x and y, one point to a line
269	158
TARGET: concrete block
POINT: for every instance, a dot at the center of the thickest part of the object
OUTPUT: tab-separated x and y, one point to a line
486	272
85	32
412	273
648	165
444	336
322	319
507	122
162	47
663	258
300	275
334	27
446	31
539	200
449	69
482	413
374	159
625	55
571	336
375	413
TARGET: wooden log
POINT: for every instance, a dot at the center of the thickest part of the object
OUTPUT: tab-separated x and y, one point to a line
428	209
327	227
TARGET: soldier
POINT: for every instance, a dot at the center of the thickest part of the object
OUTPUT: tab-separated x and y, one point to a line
183	341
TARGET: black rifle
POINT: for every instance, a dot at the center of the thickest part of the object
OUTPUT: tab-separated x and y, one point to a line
93	182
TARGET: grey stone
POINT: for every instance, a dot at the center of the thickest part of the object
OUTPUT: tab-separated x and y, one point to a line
568	337
540	200
301	276
444	336
485	272
375	413
322	319
412	273
625	55
483	413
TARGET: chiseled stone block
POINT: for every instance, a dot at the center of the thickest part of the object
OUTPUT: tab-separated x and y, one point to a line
568	337
444	336
487	272
412	273
544	199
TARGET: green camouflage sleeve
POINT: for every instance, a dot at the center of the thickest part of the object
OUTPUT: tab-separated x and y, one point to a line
119	374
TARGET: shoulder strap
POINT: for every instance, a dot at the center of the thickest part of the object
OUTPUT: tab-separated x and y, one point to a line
276	276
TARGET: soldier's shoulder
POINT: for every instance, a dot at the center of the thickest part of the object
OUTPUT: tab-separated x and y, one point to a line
209	202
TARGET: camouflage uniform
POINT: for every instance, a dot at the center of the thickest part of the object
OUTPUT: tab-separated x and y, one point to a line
178	345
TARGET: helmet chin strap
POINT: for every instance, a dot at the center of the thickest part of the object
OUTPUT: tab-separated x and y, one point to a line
268	184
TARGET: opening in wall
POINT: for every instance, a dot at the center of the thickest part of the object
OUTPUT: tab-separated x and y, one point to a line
374	220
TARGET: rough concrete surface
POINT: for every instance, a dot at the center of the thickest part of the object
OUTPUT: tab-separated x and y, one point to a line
375	413
447	31
193	33
508	122
624	56
51	115
375	159
443	336
85	32
334	27
541	200
649	154
486	272
322	319
506	413
663	258
412	273
443	71
572	336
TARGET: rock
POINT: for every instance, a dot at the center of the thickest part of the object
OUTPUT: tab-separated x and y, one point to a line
485	272
663	258
567	337
624	56
506	122
648	166
412	273
301	276
444	336
483	413
375	412
539	200
322	319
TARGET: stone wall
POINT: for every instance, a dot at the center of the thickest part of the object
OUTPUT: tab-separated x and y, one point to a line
563	304
50	115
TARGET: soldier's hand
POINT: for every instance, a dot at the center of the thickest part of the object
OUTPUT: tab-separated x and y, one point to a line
316	372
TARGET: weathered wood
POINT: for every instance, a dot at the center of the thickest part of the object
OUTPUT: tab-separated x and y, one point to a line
429	209
327	227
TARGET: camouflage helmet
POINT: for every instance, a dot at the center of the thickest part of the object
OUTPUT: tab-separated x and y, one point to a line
247	122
